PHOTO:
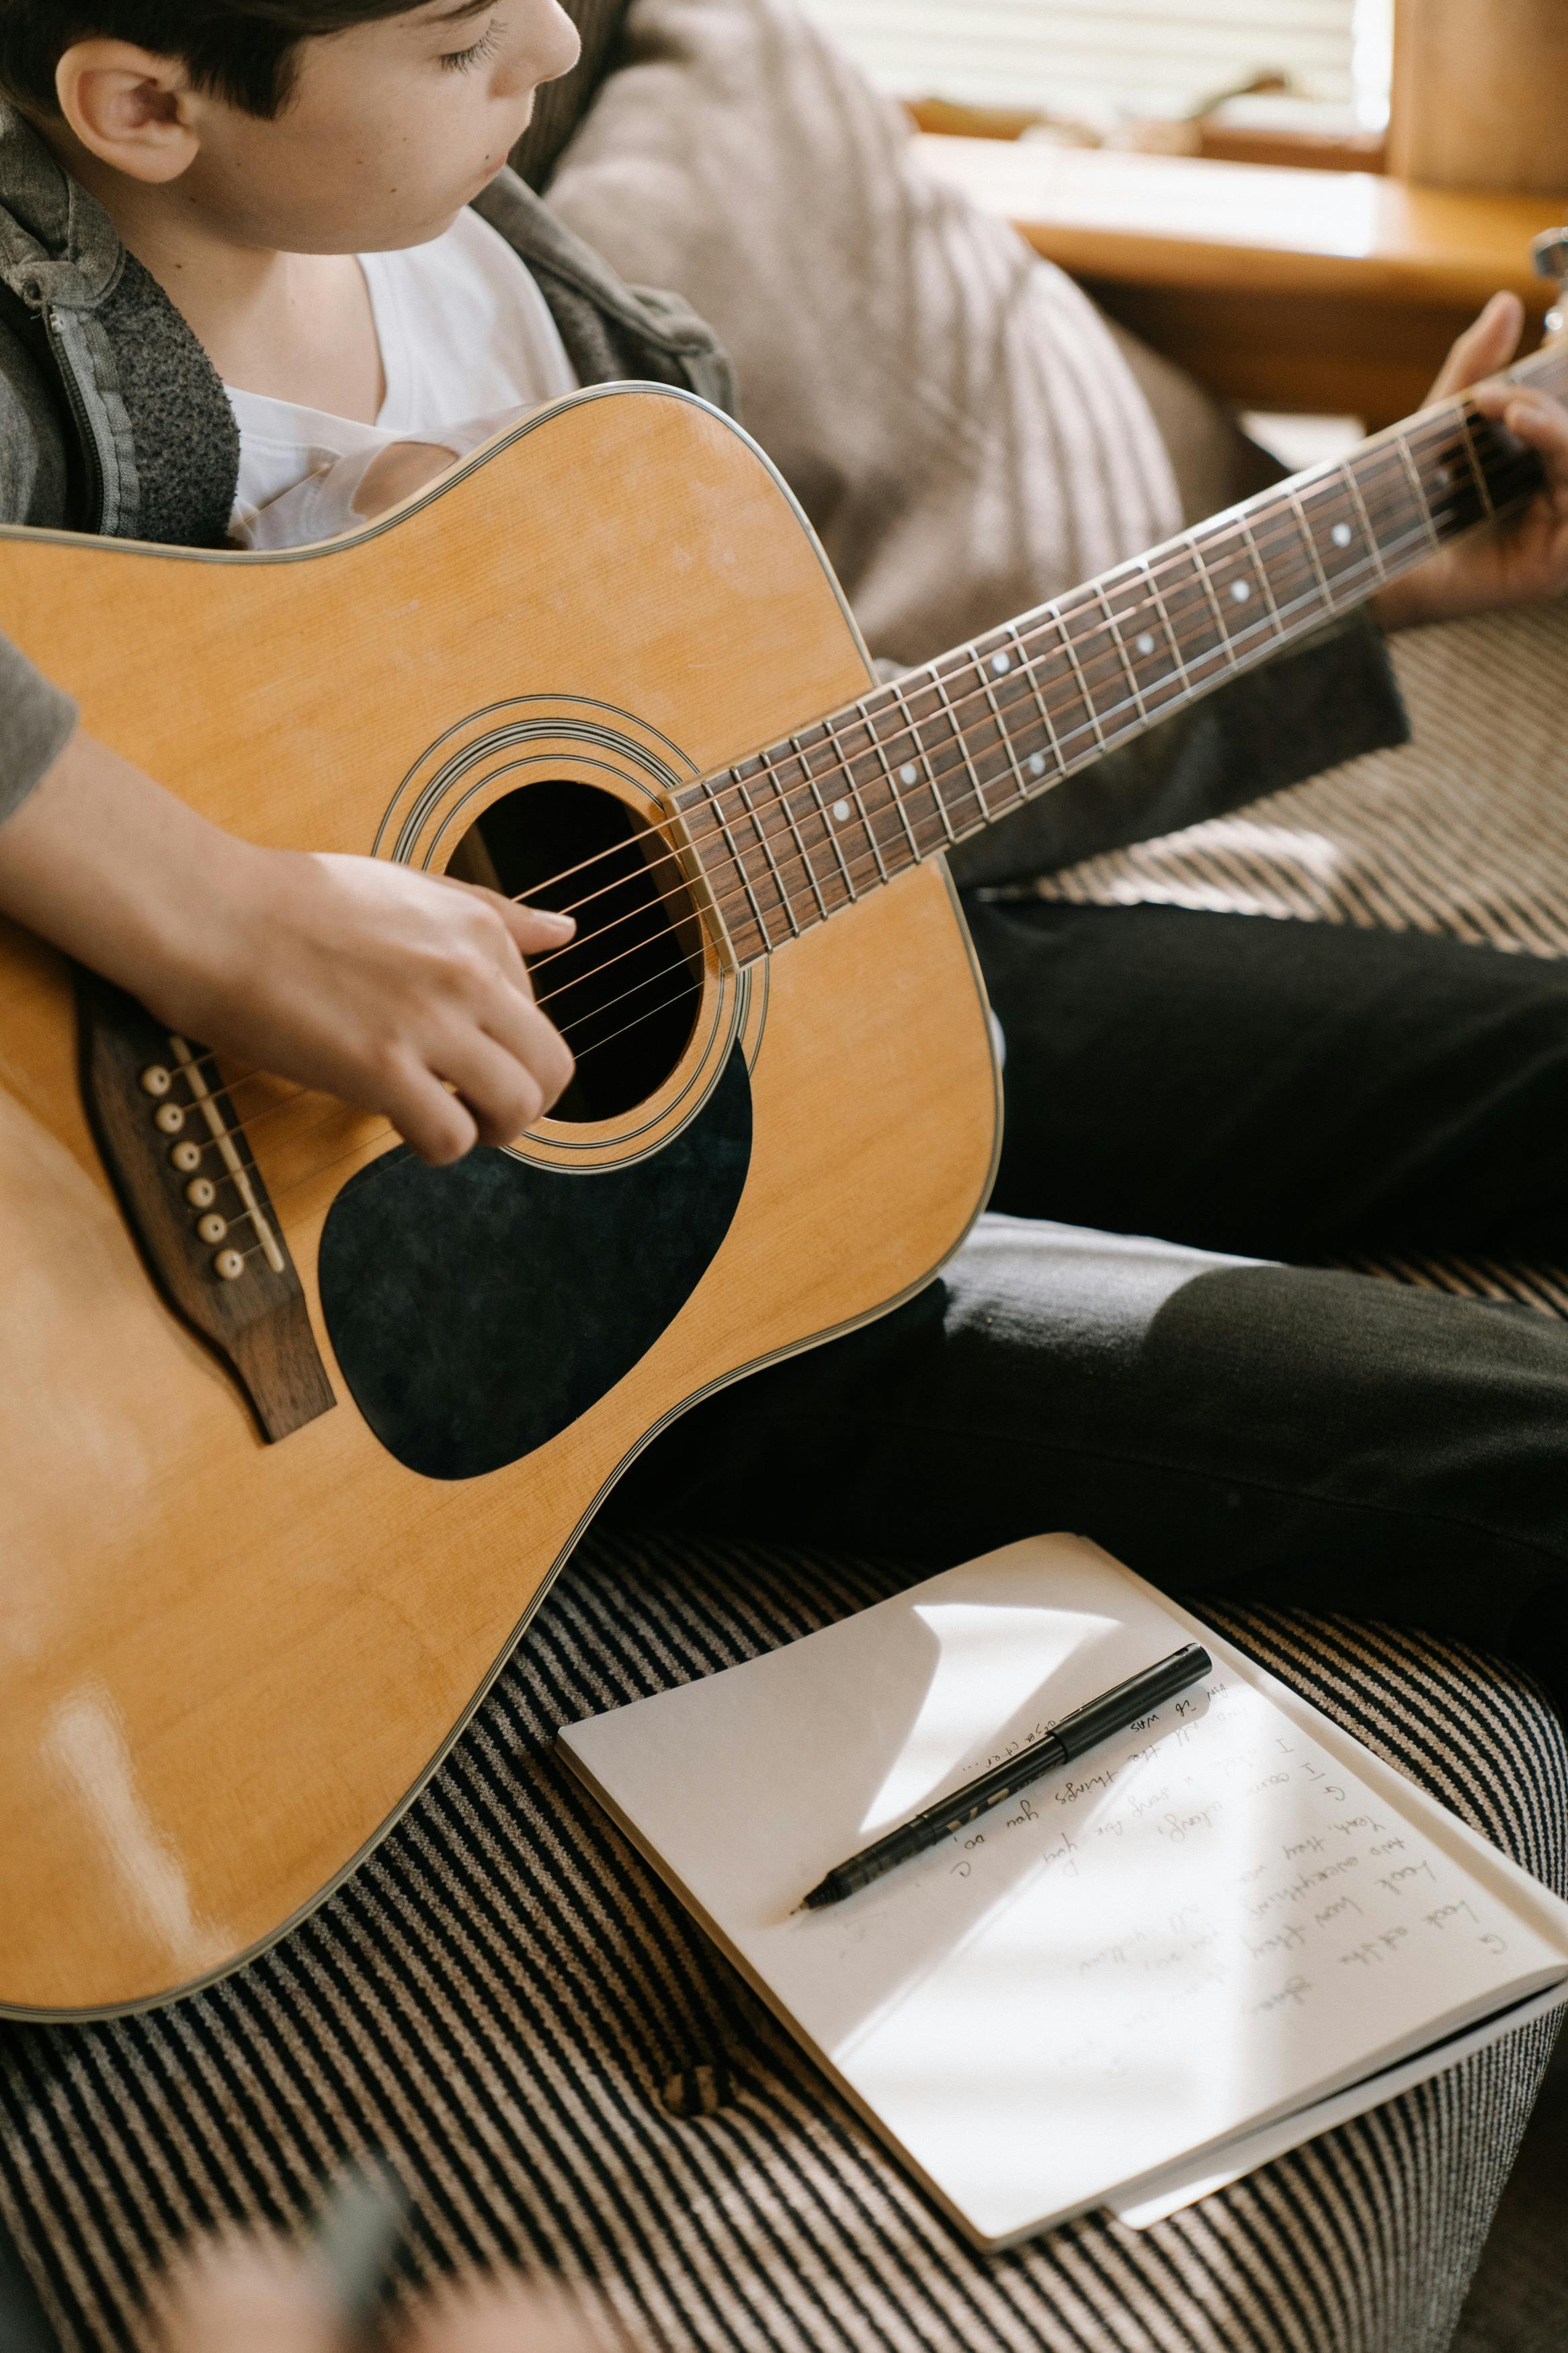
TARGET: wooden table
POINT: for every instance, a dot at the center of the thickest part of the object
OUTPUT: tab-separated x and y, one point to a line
1338	291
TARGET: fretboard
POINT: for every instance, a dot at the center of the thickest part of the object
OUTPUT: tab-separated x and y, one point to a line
796	831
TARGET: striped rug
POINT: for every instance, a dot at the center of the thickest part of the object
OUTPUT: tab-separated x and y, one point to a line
508	2006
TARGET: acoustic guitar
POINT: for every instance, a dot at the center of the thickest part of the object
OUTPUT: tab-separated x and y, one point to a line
298	1430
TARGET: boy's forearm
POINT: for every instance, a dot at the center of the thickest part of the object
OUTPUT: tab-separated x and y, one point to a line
35	724
108	866
403	992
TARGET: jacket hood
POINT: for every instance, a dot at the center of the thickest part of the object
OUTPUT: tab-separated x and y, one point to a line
58	245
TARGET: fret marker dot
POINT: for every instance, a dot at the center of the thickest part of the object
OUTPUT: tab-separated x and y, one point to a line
1342	534
1000	663
908	773
840	812
1037	764
1239	592
1145	644
1441	477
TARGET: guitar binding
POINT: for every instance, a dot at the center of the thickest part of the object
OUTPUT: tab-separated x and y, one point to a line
196	1205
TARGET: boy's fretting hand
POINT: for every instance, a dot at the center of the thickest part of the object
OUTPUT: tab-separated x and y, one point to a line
378	985
1524	561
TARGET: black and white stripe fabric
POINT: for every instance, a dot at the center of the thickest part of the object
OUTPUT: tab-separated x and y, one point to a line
1464	831
507	2005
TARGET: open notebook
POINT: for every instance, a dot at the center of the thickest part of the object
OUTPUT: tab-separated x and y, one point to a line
1191	1950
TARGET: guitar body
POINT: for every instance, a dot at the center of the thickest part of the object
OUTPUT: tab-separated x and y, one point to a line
228	1660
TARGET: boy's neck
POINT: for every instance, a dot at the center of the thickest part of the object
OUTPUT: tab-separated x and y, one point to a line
296	326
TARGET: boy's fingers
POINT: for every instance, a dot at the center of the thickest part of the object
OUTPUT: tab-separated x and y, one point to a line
250	2298
535	929
432	1122
1533	418
1483	348
497	1085
530	1037
503	2318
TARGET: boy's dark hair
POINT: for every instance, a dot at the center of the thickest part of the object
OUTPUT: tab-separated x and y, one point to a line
242	50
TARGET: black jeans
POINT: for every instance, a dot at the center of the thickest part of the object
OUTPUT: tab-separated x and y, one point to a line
1249	1091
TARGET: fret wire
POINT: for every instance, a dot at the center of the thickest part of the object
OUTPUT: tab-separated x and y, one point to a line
1262	571
796	836
1483	488
841	779
924	756
1374	552
1171	638
741	869
841	767
849	777
1111	647
799	852
876	745
786	900
957	733
1004	733
809	773
1032	664
1200	563
1065	636
1391	545
1113	623
1311	537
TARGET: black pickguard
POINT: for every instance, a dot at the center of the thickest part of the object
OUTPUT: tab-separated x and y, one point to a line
477	1311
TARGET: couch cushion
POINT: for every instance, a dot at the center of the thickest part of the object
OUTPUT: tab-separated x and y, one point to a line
506	2002
956	419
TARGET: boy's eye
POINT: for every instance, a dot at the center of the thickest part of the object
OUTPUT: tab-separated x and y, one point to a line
464	60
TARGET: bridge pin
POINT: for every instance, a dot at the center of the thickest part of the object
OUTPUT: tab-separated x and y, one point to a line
156	1079
170	1117
229	1264
186	1157
212	1228
201	1192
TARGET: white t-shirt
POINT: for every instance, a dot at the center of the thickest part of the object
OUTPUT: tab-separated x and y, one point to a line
468	344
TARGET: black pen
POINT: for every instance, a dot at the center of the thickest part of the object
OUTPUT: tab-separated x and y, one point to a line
1112	1712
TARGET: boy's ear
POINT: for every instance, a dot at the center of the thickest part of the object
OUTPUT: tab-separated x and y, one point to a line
135	112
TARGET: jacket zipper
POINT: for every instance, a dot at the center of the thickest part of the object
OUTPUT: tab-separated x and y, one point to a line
87	434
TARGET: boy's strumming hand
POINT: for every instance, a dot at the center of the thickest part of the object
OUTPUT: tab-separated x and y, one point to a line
384	987
1525	560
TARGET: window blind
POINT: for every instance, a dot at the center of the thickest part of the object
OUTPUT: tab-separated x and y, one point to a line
1091	56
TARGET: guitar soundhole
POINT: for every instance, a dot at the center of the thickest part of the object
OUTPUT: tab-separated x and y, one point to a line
625	992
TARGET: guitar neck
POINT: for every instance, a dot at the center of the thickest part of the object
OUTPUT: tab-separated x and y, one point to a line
790	835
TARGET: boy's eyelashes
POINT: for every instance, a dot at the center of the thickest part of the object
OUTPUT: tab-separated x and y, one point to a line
464	60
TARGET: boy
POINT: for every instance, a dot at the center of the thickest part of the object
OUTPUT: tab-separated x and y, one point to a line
287	178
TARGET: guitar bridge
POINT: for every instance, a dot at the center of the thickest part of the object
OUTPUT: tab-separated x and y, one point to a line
194	1200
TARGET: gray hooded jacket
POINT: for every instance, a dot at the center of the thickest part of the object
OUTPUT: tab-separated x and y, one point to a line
113	419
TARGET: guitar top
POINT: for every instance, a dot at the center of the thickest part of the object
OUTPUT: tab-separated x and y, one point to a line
298	1430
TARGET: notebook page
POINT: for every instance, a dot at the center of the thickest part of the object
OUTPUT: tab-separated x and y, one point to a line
1207	1922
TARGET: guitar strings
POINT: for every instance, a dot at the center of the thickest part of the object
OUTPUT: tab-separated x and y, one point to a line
368	1141
1103	652
867	856
1444	423
1107	650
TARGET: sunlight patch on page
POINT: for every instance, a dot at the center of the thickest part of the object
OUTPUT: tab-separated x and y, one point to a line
990	1663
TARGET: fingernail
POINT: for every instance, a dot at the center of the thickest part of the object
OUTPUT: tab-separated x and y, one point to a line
560	923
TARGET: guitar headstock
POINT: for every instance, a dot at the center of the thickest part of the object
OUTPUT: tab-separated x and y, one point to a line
1550	252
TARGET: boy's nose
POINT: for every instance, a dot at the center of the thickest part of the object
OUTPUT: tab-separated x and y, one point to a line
558	46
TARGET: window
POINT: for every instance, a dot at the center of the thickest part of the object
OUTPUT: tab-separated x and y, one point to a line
1099	57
